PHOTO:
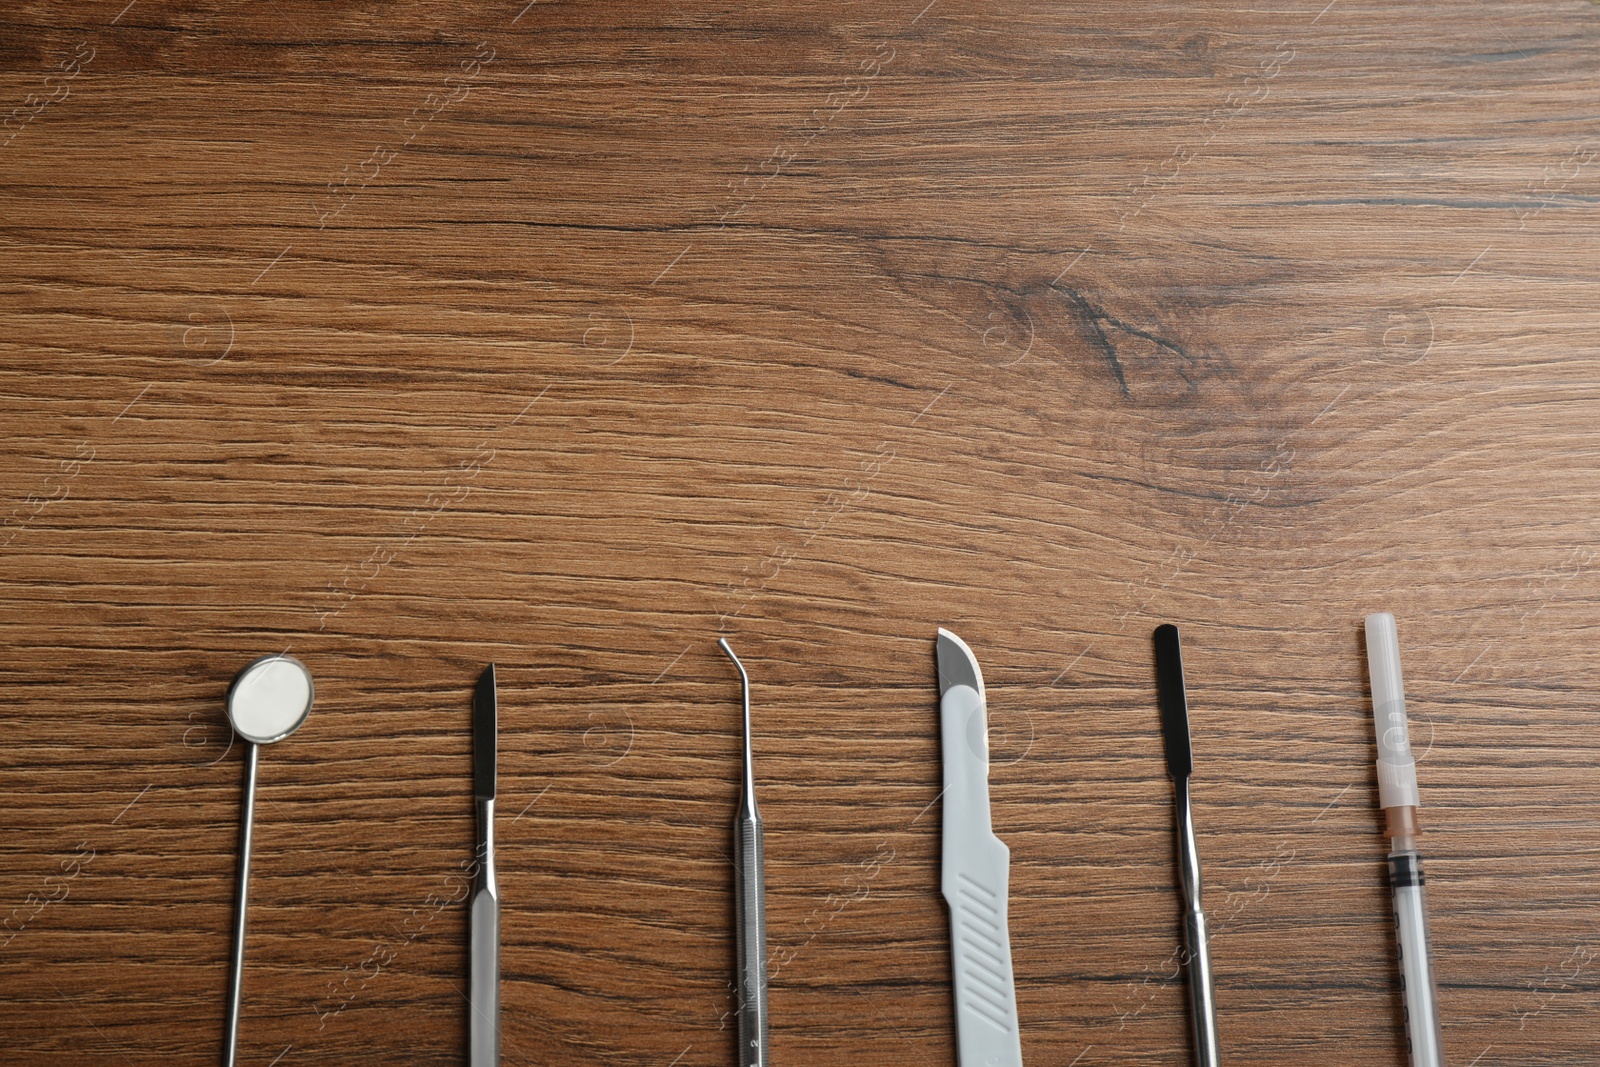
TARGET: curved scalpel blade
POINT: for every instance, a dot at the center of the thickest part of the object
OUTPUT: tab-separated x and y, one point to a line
957	664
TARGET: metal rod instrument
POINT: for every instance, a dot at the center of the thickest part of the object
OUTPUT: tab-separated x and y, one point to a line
1180	765
749	866
267	701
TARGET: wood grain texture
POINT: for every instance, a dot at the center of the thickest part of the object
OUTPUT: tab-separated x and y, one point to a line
413	336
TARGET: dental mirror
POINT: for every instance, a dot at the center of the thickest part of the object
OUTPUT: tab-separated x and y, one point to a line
267	702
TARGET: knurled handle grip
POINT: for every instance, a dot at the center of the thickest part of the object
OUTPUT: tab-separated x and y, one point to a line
749	894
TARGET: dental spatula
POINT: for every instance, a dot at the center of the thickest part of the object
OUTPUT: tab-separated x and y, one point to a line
267	702
1180	765
976	869
483	979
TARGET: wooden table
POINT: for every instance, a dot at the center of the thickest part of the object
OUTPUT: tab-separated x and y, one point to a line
409	337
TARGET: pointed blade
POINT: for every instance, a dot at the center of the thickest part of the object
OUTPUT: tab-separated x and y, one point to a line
485	731
957	664
1174	703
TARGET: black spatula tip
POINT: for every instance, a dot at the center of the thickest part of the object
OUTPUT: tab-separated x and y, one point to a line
1174	704
485	728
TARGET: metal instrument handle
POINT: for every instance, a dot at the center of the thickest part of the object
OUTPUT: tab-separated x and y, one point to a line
230	1048
751	903
1202	996
483	977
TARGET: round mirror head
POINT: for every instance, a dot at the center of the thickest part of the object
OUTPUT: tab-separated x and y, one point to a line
269	699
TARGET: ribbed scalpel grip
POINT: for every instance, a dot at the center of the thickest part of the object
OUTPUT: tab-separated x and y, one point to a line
975	873
749	895
976	888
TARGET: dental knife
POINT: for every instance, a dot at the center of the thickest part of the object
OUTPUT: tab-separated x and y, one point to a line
976	869
483	986
1398	796
750	900
1180	764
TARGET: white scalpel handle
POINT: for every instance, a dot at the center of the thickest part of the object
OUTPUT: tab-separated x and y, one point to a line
976	881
